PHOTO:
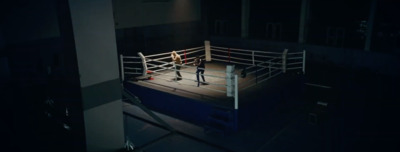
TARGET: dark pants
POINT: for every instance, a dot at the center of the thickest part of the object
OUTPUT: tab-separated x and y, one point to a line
178	67
202	76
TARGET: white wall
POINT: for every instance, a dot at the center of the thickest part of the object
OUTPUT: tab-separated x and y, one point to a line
136	13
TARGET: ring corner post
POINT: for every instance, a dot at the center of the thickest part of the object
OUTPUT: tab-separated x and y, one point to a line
284	57
236	97
236	93
304	62
252	57
230	69
121	60
144	64
207	48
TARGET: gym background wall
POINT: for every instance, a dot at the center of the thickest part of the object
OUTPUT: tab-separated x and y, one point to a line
151	26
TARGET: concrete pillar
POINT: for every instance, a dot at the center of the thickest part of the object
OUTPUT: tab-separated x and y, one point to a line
304	13
96	51
245	18
370	25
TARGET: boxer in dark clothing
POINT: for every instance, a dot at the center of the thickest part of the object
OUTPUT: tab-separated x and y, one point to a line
200	63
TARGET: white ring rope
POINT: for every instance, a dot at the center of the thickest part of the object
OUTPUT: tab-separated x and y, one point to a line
154	66
131	57
294	58
168	57
294	68
223	51
278	63
168	53
250	67
262	75
231	61
221	71
255	78
187	53
169	63
257	70
275	64
161	65
190	49
237	58
270	66
260	81
149	68
202	74
128	62
244	54
240	53
129	68
294	63
172	69
256	51
132	61
231	52
163	58
192	58
231	57
294	53
270	77
166	74
264	56
264	62
185	71
132	73
215	84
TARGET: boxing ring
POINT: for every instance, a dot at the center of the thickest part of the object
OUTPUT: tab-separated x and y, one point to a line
229	73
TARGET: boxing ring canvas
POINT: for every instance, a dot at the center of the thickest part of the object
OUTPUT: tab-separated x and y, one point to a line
240	84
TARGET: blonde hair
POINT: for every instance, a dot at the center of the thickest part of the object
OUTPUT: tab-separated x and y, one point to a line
173	52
